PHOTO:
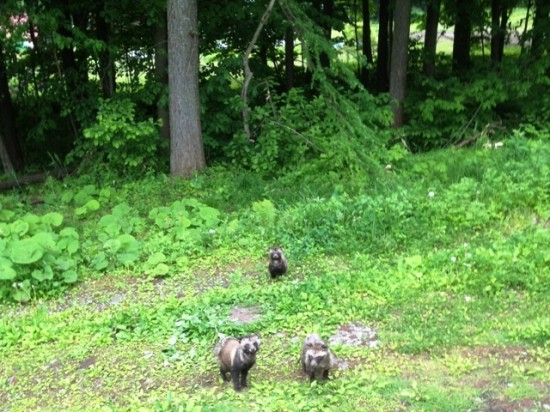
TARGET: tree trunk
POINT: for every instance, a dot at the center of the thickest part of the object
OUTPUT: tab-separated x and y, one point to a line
463	31
541	22
289	58
186	149
11	146
7	166
399	58
430	37
367	44
327	10
161	74
107	72
499	21
382	61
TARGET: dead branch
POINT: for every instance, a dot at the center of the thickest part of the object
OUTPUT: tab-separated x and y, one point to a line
34	178
487	130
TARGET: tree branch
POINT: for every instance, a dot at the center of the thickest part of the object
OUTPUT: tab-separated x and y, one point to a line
248	72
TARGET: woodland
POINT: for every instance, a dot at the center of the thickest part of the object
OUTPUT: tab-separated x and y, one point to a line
152	152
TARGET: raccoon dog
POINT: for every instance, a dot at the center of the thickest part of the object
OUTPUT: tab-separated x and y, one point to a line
237	356
277	262
316	357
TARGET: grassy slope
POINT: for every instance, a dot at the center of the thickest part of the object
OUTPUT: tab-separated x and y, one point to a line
447	258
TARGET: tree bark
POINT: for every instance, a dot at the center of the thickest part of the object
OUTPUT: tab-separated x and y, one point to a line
107	71
367	44
463	31
399	59
541	21
430	37
186	148
161	74
499	21
8	129
289	58
326	8
382	61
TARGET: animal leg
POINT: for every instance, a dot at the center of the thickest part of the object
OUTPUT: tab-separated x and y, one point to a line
235	379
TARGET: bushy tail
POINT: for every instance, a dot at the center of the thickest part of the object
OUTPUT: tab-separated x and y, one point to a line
219	345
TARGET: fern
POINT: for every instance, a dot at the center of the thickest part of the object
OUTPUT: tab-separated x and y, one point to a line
264	212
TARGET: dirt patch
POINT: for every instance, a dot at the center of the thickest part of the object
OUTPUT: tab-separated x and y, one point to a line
355	334
506	405
245	314
88	362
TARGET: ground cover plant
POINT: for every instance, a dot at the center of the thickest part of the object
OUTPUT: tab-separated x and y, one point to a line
124	287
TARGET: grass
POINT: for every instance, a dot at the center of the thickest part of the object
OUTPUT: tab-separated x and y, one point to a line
446	258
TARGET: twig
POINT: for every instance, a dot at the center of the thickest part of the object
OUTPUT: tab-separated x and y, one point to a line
489	128
465	127
297	133
248	72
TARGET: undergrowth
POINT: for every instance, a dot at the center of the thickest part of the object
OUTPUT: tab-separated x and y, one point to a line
128	284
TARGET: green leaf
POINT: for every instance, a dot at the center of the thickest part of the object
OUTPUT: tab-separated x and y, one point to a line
41	275
156	258
112	246
92	205
66	197
6	215
53	219
209	215
70	276
19	228
6	271
5	230
71	245
69	232
26	251
160	269
100	261
46	240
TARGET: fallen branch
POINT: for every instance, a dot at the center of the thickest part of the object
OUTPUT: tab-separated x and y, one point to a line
488	129
34	178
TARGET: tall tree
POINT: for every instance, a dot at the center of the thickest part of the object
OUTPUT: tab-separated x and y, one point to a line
463	32
367	44
326	12
161	73
430	37
383	48
289	58
186	148
107	71
12	156
541	28
399	59
499	21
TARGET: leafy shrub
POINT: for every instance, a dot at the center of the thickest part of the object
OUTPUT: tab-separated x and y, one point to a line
37	254
120	140
442	113
186	226
337	134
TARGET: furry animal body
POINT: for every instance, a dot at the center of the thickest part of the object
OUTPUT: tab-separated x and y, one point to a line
278	264
237	356
316	357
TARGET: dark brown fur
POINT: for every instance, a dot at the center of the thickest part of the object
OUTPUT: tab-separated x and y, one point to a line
237	356
278	264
